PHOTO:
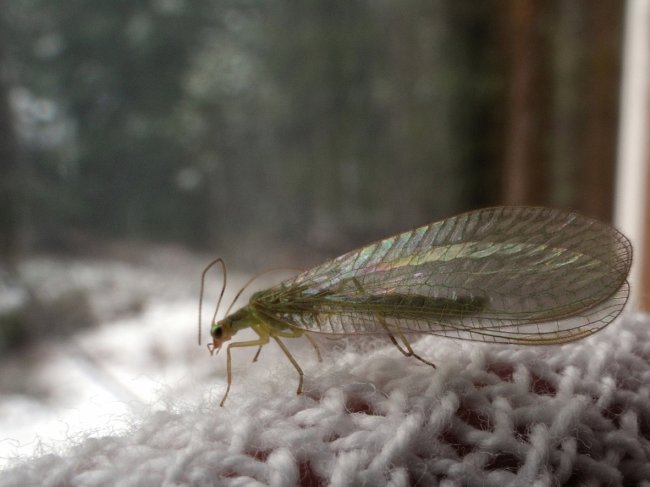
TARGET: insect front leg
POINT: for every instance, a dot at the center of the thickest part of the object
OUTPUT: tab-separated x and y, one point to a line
261	341
409	351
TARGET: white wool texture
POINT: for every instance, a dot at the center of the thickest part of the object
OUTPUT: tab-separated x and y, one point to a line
576	414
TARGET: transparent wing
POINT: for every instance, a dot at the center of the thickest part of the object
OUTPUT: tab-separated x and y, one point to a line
506	274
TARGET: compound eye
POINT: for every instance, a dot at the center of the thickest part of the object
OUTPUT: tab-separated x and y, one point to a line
217	332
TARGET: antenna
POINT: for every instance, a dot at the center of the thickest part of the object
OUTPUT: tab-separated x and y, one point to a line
260	274
223	288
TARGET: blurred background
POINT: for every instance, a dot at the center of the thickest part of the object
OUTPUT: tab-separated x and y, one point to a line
139	139
297	125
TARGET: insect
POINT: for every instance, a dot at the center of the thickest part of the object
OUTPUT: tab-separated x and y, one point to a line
518	275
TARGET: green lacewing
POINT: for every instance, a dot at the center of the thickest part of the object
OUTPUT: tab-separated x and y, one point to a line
518	275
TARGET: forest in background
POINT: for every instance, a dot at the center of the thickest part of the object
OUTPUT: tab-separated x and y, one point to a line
230	125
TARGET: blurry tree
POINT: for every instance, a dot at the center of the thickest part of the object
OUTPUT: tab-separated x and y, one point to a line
322	122
382	104
358	123
104	78
8	164
225	122
8	179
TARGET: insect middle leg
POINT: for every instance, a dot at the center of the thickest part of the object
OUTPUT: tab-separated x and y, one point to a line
291	333
409	351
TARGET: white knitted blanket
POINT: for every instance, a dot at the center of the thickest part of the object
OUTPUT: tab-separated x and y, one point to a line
577	414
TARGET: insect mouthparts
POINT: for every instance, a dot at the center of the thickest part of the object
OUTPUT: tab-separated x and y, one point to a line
213	349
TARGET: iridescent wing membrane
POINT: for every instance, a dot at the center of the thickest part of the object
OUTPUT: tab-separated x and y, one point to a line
506	275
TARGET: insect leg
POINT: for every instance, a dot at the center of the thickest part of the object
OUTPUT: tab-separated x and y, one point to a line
313	344
257	354
409	351
287	334
412	353
292	360
358	285
261	341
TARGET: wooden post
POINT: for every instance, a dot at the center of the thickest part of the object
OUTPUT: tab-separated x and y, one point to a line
525	177
644	254
633	176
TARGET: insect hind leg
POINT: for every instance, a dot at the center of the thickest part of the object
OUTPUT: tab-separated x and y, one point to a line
315	345
409	352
